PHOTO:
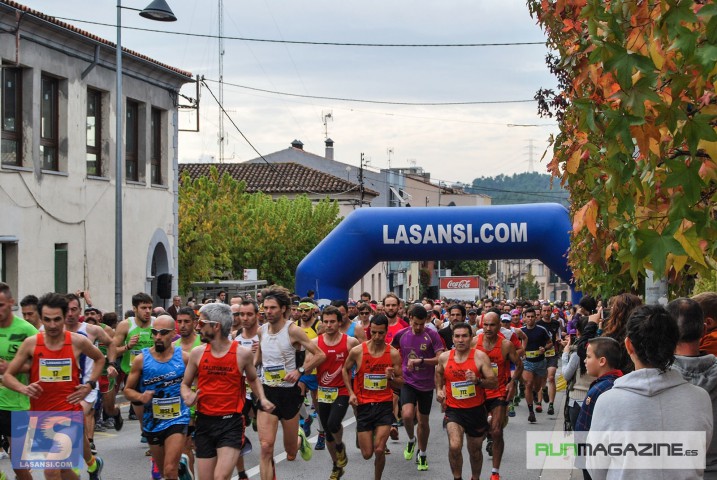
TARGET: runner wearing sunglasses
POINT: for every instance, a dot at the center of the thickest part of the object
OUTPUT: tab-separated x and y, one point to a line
154	381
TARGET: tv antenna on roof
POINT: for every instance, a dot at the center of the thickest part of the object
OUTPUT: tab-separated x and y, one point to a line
326	117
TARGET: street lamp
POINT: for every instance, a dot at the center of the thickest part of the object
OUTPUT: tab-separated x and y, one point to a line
157	10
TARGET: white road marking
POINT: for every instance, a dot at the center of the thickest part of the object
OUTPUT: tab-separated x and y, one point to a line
282	456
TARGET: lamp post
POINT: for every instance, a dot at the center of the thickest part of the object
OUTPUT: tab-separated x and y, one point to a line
157	10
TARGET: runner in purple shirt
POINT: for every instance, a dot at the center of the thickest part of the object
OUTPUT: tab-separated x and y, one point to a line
420	348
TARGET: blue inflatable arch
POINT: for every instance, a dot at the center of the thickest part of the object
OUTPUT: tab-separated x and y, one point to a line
371	235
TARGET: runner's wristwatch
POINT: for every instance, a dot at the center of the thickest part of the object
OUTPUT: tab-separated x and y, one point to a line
92	384
301	370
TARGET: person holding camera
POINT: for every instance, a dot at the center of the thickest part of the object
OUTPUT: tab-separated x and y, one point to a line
574	369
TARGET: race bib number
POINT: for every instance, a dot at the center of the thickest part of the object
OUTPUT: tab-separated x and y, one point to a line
327	394
166	408
274	375
550	353
132	355
375	382
463	390
532	354
494	366
56	370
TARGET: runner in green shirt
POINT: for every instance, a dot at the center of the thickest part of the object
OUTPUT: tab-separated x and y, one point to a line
13	331
131	336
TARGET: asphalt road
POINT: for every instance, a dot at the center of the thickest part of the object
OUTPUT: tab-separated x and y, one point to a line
125	458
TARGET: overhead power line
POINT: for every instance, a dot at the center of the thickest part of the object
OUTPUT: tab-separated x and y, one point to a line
271	165
379	102
307	42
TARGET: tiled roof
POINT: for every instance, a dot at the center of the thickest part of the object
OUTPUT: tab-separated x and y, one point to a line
89	35
278	178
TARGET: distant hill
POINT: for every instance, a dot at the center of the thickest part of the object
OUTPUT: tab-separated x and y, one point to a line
519	188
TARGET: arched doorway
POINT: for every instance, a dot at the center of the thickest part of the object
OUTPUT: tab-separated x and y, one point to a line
158	263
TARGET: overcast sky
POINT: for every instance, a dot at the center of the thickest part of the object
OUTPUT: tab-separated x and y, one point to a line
454	143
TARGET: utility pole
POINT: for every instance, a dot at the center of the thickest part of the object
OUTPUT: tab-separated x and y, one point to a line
531	166
221	81
361	187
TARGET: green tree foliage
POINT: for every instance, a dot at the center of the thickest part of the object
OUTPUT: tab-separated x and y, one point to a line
520	188
529	287
637	148
706	283
466	267
223	229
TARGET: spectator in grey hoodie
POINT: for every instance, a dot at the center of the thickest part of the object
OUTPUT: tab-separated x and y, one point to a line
653	397
698	368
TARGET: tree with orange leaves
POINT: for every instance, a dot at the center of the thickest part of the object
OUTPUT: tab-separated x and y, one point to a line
637	148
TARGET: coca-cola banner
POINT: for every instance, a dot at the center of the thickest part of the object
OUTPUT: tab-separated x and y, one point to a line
459	283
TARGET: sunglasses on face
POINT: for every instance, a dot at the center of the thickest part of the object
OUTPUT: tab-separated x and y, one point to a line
304	309
205	322
163	331
364	313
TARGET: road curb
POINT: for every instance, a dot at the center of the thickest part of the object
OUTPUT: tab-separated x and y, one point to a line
573	474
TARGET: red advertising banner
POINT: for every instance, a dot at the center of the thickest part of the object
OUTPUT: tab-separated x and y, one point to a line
459	283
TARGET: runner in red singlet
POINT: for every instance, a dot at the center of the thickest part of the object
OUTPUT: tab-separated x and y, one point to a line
379	370
221	367
462	374
333	396
55	372
501	353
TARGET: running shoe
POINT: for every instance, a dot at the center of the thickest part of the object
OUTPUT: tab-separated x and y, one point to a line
118	421
551	410
183	470
489	447
531	417
320	442
155	471
142	439
409	450
539	408
305	448
336	473
545	391
132	415
394	432
246	448
307	426
495	476
96	475
511	411
341	458
422	463
100	427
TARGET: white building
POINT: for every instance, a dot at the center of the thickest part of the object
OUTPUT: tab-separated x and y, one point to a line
57	169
